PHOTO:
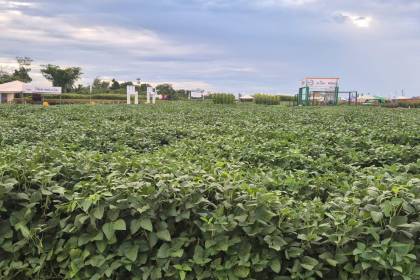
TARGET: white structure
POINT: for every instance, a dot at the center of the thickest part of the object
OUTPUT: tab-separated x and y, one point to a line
246	98
401	98
197	94
366	98
321	84
151	94
8	90
131	91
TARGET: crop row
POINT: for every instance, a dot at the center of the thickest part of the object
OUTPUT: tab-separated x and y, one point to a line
202	191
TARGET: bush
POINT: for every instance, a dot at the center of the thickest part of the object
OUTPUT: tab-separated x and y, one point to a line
87	96
402	104
409	104
267	99
223	98
185	191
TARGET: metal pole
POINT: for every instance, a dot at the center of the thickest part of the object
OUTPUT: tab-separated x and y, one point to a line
90	94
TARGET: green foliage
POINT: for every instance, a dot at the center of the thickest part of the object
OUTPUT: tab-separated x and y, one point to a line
223	98
240	192
115	85
170	93
105	96
267	99
22	74
64	78
403	104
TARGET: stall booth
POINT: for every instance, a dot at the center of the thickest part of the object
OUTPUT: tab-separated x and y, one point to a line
9	90
318	91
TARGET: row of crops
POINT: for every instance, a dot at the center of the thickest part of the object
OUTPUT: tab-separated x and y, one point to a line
203	191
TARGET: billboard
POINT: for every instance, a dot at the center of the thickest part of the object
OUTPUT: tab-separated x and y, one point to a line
151	90
321	84
196	94
27	88
131	90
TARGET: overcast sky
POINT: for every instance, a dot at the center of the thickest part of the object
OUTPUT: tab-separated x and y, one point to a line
222	45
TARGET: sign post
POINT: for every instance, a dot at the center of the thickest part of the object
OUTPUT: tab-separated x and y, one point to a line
131	90
151	94
324	89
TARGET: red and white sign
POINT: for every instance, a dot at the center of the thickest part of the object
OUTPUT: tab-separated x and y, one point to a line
321	84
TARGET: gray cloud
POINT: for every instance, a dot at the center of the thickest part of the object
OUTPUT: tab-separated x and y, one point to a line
236	45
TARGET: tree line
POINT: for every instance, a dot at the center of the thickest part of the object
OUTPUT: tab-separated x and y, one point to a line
60	77
66	78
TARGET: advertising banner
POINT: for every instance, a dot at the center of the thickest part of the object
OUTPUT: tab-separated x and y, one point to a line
131	90
321	84
41	90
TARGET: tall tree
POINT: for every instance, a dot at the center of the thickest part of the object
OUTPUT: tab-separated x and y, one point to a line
64	78
5	77
115	84
20	74
100	84
166	89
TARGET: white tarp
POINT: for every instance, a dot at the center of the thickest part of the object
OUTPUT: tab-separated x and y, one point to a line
321	84
401	98
367	97
20	87
247	97
196	94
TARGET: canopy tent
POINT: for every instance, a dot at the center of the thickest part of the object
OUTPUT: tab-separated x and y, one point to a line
401	98
8	90
368	99
246	98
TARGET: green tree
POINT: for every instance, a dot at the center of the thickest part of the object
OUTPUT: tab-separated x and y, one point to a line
64	78
182	94
22	74
100	86
5	77
166	89
124	85
143	87
115	85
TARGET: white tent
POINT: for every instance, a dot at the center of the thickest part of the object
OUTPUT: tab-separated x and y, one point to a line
8	90
366	98
401	98
246	98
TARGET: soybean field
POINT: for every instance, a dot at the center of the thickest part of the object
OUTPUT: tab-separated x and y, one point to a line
186	190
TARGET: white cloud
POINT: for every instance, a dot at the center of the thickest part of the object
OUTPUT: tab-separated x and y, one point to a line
287	3
254	3
357	20
16	25
5	4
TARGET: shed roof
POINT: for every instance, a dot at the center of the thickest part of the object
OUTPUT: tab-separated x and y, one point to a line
12	87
